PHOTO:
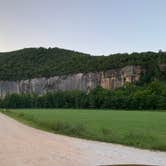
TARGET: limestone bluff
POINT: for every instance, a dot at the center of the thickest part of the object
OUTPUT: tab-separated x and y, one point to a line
110	79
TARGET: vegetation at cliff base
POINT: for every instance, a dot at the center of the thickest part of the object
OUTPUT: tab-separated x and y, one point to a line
151	96
134	128
41	62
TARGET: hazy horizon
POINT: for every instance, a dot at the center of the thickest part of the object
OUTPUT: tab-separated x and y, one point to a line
95	27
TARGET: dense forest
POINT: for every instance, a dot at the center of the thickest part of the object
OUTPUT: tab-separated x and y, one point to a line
151	96
41	62
148	93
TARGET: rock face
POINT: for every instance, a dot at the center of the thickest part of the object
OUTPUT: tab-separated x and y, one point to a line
109	79
162	67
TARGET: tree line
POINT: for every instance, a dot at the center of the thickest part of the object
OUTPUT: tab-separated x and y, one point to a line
41	62
151	96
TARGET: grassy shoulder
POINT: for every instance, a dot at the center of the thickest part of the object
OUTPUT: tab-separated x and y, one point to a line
134	128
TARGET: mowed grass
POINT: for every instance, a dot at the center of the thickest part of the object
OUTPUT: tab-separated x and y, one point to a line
135	128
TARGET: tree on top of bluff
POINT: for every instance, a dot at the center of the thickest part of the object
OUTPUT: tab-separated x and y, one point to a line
40	62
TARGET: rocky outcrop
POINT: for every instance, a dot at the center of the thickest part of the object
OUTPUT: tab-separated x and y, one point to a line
113	79
162	67
109	79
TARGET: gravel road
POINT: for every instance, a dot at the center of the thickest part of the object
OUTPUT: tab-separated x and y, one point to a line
21	145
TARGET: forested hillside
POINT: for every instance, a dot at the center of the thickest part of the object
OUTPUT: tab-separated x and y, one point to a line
40	62
148	93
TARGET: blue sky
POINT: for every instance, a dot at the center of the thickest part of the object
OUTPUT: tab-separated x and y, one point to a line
91	26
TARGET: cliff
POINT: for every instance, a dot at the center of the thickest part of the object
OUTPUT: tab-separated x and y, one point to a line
109	79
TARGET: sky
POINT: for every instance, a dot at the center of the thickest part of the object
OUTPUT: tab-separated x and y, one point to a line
98	27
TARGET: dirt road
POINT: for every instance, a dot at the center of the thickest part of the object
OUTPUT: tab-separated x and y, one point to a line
21	145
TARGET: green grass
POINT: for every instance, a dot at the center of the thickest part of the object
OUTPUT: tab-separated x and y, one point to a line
134	128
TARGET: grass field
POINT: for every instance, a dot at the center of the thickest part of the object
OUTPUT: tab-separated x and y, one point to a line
134	128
